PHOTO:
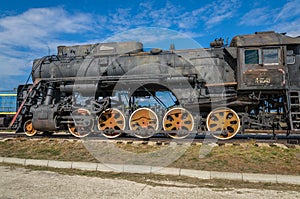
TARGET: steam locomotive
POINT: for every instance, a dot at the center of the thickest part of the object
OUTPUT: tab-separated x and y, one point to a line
251	84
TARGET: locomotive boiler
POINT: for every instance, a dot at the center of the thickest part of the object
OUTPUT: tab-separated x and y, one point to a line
114	88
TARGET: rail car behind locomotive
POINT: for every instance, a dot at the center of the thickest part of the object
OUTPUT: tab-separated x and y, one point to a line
8	107
252	84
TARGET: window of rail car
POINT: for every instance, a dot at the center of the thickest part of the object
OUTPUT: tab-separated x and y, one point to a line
270	56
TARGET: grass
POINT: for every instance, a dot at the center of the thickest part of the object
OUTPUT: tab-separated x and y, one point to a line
244	158
45	149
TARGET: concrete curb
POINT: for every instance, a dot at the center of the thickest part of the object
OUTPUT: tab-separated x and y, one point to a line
14	160
227	175
35	162
85	166
60	164
206	175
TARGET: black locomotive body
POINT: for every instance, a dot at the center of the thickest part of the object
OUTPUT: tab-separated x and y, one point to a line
253	84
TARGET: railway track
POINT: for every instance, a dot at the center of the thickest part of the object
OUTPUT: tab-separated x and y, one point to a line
288	140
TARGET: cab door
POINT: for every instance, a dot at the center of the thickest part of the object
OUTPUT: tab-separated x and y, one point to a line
293	65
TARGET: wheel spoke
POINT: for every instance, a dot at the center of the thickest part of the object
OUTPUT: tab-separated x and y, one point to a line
81	124
28	128
111	122
180	120
224	121
144	122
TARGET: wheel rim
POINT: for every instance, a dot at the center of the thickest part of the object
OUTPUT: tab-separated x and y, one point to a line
28	128
144	122
111	123
179	120
224	121
81	124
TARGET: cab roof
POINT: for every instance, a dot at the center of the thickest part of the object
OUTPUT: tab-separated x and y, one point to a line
269	38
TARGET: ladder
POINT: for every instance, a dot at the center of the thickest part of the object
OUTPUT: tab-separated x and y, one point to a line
17	120
293	102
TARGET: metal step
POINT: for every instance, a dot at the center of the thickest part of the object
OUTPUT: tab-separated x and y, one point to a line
293	98
295	113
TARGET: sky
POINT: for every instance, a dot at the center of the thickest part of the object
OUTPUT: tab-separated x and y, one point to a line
32	29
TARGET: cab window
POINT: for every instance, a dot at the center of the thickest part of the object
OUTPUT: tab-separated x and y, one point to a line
251	57
270	56
266	56
290	58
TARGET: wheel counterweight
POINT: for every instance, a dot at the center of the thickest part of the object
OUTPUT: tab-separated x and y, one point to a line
225	122
179	120
144	122
28	128
111	122
81	124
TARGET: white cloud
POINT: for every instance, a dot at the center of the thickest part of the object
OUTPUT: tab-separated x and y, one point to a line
281	19
35	25
172	16
257	16
146	14
289	10
28	35
11	65
291	28
219	11
288	19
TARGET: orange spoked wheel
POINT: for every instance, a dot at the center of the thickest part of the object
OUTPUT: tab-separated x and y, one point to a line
144	122
224	122
28	128
111	122
82	123
179	120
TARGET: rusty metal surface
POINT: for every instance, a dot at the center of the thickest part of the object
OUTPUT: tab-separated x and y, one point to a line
263	39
